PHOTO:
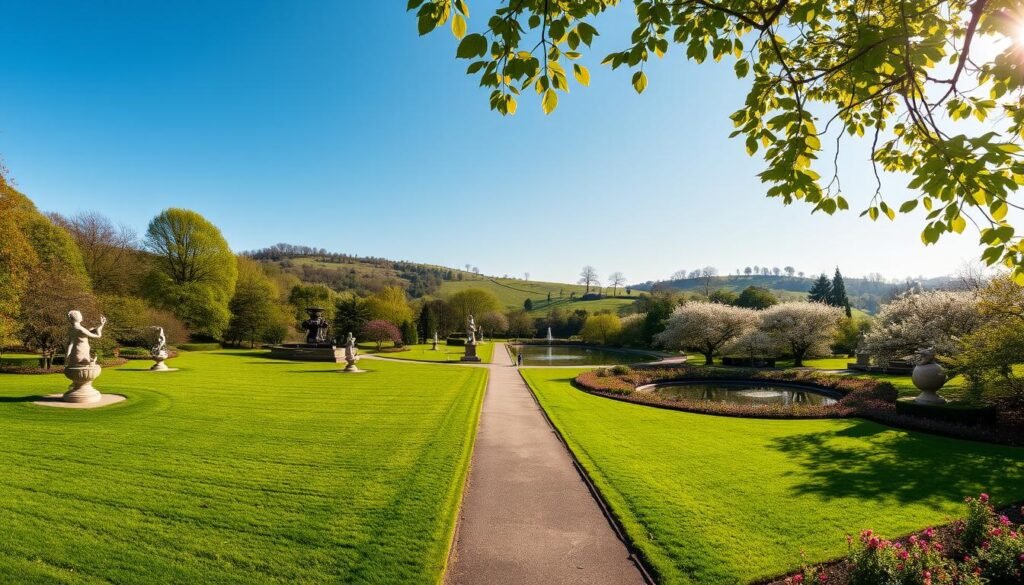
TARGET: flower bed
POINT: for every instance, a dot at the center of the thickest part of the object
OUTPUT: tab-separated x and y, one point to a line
983	547
861	398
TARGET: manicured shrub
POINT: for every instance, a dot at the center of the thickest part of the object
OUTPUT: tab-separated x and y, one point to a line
622	370
199	346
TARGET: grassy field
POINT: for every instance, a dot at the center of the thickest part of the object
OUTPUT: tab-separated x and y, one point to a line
237	469
715	500
445	353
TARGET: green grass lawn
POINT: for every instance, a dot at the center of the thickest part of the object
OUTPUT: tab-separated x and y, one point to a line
19	359
716	500
237	469
445	353
618	306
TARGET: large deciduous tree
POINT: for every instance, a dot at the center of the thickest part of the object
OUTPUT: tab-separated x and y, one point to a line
805	329
601	328
379	331
390	304
195	272
108	251
916	320
472	301
588	277
255	307
705	327
902	75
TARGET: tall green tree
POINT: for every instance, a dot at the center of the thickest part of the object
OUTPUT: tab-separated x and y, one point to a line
821	291
838	296
254	306
472	301
194	270
901	76
350	315
756	297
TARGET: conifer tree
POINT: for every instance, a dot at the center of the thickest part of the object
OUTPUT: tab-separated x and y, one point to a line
821	290
838	297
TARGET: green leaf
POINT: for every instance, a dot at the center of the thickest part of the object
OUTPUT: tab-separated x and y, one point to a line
472	46
550	101
908	206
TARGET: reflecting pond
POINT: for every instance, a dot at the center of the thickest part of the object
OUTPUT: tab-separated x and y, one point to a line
751	394
576	355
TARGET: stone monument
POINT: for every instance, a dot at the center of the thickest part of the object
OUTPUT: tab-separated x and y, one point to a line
315	327
79	363
317	347
434	348
159	352
470	342
351	355
929	377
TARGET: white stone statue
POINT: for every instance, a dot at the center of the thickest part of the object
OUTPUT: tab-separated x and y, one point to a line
79	353
471	331
79	364
351	354
159	351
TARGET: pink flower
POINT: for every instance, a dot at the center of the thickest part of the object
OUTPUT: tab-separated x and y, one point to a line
904	554
983	498
1004	520
930	532
798	579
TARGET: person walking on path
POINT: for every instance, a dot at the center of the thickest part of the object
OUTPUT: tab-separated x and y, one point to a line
519	359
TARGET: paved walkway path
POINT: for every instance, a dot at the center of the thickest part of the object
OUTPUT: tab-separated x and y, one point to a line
527	517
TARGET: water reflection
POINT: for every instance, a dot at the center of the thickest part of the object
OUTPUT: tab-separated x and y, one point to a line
572	355
747	394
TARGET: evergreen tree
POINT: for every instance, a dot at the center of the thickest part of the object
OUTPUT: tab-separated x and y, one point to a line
528	305
838	297
350	316
409	334
821	291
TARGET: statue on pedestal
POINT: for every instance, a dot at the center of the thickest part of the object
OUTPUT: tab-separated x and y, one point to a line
470	355
316	327
351	354
159	351
79	363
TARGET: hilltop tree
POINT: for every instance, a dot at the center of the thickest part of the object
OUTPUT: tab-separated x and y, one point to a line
748	270
837	297
790	271
588	277
905	76
821	290
616	280
194	273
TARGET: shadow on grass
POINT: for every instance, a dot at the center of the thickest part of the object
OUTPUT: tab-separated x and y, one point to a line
896	465
12	399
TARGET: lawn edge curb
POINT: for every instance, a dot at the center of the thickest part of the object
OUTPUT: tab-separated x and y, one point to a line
635	556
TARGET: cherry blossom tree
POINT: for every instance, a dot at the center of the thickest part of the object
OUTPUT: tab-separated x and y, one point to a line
915	320
705	327
805	329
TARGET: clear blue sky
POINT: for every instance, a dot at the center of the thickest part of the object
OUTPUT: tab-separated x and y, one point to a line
317	123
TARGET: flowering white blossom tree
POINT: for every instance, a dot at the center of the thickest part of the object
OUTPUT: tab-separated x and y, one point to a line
804	328
705	327
754	344
916	320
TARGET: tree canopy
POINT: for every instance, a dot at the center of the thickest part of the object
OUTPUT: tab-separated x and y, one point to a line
907	77
195	271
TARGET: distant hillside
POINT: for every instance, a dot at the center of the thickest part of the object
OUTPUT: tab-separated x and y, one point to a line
366	275
864	294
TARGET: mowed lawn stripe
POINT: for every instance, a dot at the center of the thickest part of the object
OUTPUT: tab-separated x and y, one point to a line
237	469
716	500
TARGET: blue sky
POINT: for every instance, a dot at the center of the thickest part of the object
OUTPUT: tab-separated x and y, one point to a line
315	123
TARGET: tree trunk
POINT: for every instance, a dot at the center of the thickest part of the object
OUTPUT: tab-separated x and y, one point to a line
798	358
709	359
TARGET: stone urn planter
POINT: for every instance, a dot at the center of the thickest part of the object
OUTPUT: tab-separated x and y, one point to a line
81	390
159	357
928	377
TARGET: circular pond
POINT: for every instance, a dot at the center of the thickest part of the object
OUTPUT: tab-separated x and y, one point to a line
745	393
576	355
